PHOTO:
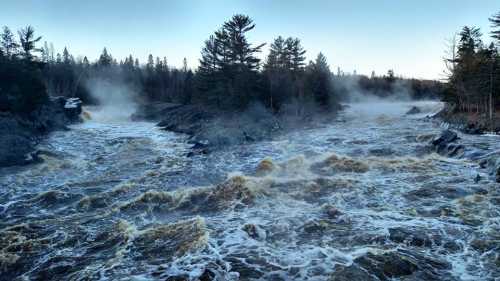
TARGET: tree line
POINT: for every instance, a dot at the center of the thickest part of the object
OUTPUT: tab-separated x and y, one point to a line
474	70
230	76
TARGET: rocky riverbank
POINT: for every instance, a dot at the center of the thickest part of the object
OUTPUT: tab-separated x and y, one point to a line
20	134
469	123
210	130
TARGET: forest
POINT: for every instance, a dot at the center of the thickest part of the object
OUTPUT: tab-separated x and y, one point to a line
230	76
473	69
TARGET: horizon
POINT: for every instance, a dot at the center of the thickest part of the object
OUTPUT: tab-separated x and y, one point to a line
409	38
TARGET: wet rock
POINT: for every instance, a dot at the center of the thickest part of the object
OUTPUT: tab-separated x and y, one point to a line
317	226
446	137
433	191
388	265
376	267
413	110
413	237
331	211
497	175
250	265
19	134
474	128
207	275
351	273
444	144
452	247
254	231
392	265
183	277
485	244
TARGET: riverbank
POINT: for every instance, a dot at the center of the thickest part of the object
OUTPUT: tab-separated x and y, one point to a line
21	133
469	123
209	130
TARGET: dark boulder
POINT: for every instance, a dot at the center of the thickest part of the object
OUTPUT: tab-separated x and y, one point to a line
445	144
392	265
445	138
413	237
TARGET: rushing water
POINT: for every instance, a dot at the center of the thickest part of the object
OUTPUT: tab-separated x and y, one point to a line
121	201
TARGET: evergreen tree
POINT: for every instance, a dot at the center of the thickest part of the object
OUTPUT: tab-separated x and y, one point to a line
495	25
105	59
8	42
28	42
319	81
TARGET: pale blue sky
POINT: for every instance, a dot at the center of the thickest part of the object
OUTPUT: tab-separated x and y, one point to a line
407	36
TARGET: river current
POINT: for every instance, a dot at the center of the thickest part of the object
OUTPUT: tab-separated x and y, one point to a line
357	198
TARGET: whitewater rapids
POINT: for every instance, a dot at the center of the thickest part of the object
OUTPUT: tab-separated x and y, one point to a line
358	197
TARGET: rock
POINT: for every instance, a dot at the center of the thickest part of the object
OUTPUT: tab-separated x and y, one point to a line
444	144
413	110
254	231
435	191
331	211
388	265
412	237
497	175
477	178
446	137
473	128
351	273
376	267
19	134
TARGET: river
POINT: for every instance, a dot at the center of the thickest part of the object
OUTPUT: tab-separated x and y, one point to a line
354	198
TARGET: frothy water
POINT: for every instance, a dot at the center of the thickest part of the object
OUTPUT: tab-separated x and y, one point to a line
118	200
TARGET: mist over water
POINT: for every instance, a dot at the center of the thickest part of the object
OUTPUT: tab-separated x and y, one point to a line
115	100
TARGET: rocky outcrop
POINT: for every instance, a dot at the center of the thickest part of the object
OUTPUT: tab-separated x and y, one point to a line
390	266
209	130
20	134
445	144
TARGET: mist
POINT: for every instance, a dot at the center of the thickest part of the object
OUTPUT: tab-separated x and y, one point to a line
116	100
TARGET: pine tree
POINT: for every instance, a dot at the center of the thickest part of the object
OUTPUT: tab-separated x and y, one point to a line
8	42
495	25
241	52
319	81
105	59
28	42
66	56
297	56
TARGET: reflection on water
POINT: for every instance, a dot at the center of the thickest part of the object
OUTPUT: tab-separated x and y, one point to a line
355	197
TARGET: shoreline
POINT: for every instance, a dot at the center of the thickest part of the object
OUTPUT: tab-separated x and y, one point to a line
469	123
21	134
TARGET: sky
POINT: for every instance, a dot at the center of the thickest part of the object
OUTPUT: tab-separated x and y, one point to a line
409	37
